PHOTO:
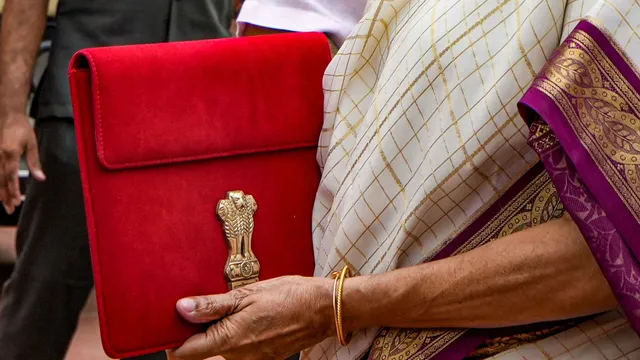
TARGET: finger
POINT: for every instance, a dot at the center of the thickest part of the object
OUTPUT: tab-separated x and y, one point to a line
8	207
200	346
204	309
13	187
11	165
5	176
3	191
3	199
33	158
172	356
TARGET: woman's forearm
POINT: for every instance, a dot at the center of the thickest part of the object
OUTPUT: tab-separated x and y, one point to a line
539	274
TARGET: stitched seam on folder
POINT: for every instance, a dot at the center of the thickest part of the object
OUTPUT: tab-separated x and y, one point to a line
91	229
224	154
95	76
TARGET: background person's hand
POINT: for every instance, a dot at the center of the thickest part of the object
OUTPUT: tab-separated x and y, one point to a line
16	138
272	319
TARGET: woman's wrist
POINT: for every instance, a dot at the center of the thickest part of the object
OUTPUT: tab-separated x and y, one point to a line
366	301
322	298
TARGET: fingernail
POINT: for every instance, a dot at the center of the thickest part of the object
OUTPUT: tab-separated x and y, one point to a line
38	174
187	305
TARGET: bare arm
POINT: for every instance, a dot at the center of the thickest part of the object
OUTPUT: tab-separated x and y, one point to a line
543	273
539	274
23	23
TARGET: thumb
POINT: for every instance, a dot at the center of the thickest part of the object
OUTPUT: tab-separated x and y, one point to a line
204	309
171	356
33	158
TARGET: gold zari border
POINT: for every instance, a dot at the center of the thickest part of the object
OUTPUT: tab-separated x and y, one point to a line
602	109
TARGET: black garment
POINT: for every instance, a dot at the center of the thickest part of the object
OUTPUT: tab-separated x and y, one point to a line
52	278
90	23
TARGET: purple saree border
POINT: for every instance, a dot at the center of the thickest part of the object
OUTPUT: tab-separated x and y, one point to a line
477	225
586	167
611	252
462	346
590	173
609	226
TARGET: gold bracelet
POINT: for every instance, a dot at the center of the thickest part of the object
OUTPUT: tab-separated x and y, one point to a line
338	286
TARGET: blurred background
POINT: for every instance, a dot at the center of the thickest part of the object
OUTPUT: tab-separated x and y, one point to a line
86	343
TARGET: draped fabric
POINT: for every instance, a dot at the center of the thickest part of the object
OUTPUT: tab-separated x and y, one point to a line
425	155
587	134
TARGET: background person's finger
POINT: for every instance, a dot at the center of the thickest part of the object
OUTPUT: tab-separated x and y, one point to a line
33	158
4	199
14	189
11	180
8	166
3	187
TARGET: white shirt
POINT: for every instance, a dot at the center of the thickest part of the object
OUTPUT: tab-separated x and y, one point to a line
333	17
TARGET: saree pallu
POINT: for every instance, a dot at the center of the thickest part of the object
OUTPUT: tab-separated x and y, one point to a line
584	111
584	117
425	155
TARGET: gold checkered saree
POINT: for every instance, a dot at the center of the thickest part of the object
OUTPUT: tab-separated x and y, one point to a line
425	155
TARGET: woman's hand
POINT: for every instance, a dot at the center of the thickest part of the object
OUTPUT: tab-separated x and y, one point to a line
270	319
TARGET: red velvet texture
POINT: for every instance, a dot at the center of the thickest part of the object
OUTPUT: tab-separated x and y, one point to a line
164	131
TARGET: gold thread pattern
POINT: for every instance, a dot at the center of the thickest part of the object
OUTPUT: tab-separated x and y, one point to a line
602	109
498	345
537	203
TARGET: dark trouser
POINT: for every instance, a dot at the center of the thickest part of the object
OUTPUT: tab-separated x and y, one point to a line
42	300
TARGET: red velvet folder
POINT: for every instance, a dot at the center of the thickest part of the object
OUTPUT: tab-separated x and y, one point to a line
164	132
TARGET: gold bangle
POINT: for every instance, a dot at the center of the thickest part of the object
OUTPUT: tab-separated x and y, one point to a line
338	287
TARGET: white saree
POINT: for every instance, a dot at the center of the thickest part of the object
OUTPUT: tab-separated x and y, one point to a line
422	134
